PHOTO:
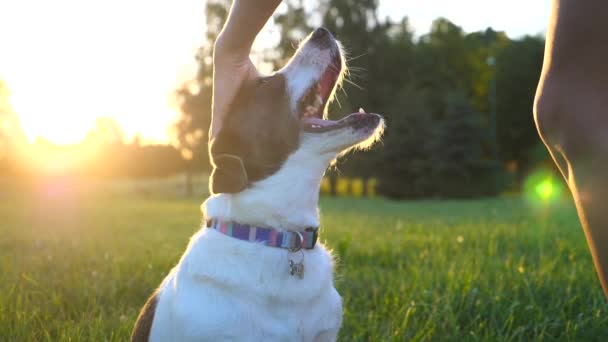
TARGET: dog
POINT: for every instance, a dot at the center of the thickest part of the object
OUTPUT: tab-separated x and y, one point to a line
255	272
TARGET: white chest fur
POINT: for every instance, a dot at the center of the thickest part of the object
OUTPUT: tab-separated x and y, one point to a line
227	289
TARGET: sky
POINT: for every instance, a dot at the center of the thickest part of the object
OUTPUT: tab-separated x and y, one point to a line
516	17
68	62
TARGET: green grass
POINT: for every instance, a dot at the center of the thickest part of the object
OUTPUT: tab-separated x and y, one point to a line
79	268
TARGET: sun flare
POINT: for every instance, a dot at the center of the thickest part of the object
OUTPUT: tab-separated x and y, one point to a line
68	62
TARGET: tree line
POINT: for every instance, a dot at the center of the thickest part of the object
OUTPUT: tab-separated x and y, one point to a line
103	154
458	105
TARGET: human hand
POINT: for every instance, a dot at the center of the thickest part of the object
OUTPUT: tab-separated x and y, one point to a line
231	68
231	64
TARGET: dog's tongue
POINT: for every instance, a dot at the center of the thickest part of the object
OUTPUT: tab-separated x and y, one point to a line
310	121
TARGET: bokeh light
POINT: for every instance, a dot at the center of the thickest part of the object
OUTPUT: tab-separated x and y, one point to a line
543	188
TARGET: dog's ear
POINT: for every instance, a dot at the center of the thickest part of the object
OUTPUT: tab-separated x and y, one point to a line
228	175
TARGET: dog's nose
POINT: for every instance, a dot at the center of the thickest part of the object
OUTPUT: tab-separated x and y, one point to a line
320	33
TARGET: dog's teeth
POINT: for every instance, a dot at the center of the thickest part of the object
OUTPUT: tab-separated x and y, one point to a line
318	99
361	110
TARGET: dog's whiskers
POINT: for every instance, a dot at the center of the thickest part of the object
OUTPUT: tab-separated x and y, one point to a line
353	58
353	83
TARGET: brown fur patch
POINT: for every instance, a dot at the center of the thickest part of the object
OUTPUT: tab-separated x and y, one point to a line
259	132
143	325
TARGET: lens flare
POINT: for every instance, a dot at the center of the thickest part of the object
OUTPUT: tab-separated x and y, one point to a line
543	188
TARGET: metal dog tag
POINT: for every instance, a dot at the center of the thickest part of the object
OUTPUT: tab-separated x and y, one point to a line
296	269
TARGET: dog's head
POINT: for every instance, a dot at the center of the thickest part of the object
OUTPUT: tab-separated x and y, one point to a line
276	116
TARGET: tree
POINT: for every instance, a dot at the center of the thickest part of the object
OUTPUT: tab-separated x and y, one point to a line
484	46
438	143
356	25
405	169
152	160
443	64
460	168
518	67
106	131
368	80
293	25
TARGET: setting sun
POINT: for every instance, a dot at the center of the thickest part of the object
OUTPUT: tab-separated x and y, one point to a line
68	62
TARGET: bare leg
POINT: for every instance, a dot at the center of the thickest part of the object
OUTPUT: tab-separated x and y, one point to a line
571	113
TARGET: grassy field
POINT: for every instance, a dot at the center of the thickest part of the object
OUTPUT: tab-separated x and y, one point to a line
78	268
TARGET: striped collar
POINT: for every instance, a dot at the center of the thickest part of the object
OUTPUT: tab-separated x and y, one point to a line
288	239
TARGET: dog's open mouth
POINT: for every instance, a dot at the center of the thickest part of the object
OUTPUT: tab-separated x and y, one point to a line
315	100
